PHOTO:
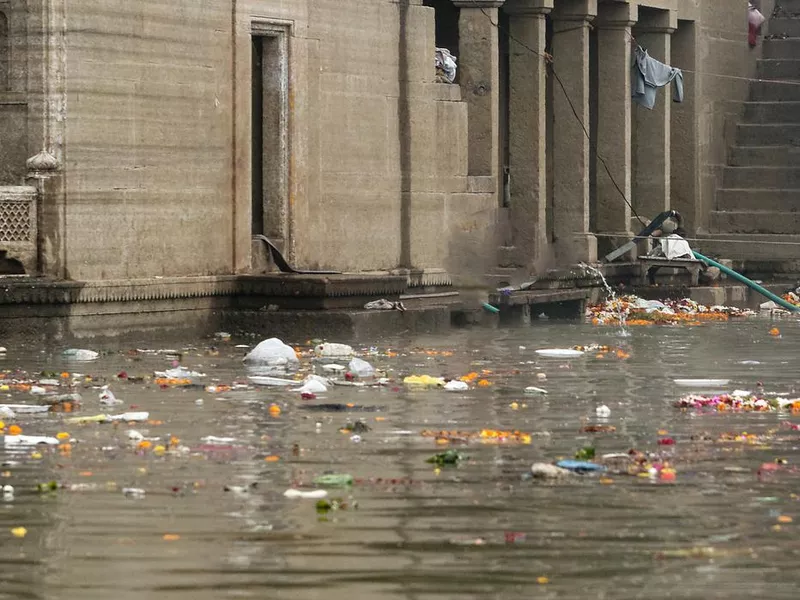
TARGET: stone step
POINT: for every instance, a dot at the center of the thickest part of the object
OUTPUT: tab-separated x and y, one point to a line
767	156
788	7
783	178
772	112
779	68
758	200
748	221
774	91
781	26
768	134
752	247
786	48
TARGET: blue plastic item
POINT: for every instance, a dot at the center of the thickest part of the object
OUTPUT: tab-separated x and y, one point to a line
580	466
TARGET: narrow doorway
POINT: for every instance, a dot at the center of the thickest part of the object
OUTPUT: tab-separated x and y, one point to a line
257	130
269	133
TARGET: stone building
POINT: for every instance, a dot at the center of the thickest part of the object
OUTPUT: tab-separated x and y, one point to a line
154	139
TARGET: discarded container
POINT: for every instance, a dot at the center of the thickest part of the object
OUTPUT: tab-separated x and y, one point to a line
560	353
548	471
456	386
28	440
107	397
80	354
330	350
272	352
702	383
179	373
579	466
532	390
361	368
271	381
334	480
305	494
313	385
133	492
423	381
129	417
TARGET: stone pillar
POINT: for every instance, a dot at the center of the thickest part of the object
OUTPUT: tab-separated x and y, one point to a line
527	127
574	242
651	188
613	215
479	76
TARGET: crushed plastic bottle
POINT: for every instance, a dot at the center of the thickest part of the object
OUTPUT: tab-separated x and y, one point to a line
305	494
423	381
107	397
361	368
331	350
80	354
334	480
272	352
455	385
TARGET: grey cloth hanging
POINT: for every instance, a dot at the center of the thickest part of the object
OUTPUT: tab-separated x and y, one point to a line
648	74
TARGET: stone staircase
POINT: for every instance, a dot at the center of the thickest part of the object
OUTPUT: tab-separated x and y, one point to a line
760	196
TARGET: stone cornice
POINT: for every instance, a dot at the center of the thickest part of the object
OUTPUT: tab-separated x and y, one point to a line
479	3
25	290
528	7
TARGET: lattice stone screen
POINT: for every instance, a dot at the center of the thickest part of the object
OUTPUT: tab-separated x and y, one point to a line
15	221
18	231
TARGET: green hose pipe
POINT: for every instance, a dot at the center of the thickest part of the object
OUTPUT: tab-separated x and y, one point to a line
748	282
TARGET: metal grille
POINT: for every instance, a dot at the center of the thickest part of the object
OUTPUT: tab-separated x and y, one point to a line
15	221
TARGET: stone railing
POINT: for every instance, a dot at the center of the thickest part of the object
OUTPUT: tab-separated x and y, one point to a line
18	229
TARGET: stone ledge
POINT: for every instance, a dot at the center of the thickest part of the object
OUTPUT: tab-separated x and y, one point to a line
35	291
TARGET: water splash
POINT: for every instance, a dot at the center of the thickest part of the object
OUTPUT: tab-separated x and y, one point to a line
621	315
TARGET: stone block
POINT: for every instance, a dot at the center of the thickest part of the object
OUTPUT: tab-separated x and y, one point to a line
710	296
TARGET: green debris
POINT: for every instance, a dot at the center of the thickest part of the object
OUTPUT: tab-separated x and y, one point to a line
334	480
49	486
450	457
585	453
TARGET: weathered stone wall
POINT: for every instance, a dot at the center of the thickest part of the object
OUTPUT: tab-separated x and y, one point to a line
158	139
148	138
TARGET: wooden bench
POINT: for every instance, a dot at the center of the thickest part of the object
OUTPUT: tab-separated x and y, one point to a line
653	263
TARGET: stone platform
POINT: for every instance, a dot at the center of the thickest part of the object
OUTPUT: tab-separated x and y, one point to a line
293	306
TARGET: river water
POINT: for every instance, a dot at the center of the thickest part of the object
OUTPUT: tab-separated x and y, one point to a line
407	529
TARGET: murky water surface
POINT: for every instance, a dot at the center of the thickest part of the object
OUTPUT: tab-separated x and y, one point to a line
478	530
